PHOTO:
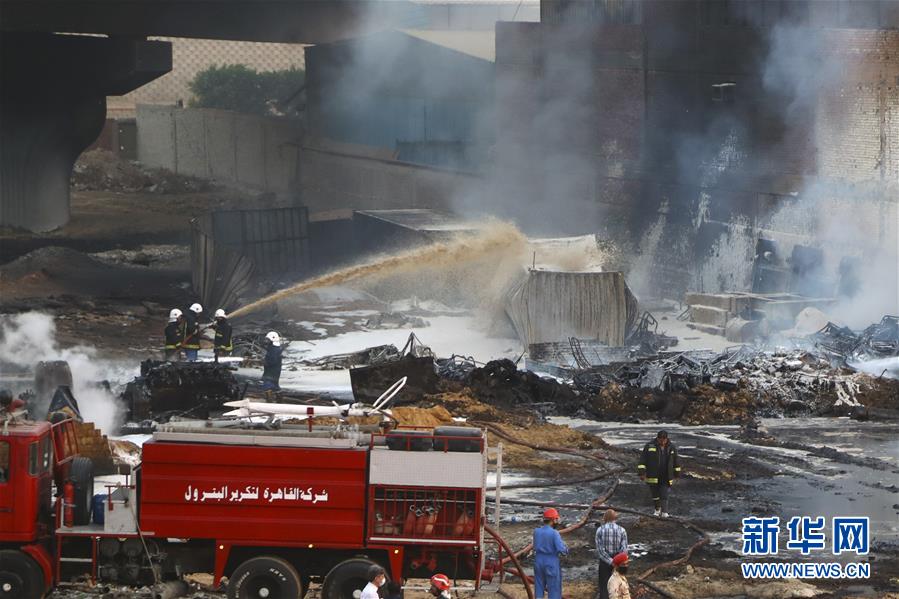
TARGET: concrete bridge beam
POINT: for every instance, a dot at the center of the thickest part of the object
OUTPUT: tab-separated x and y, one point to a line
53	92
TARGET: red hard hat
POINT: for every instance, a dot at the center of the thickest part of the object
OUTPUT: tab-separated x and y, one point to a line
441	581
619	559
550	513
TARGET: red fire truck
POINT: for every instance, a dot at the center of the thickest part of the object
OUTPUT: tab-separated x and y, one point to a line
270	511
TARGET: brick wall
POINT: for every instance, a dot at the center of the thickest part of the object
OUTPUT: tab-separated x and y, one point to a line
857	122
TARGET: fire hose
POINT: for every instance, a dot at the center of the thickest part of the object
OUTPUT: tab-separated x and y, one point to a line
513	558
598	504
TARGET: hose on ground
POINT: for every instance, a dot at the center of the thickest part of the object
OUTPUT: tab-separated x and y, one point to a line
598	504
513	558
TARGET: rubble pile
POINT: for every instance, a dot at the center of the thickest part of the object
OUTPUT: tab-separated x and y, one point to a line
844	346
101	170
502	384
179	388
696	387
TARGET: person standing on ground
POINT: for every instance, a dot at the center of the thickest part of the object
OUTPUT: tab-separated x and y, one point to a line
611	540
376	579
548	545
659	466
191	342
222	345
618	587
271	373
174	335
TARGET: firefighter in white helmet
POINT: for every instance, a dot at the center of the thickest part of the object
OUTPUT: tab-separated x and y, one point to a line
271	373
174	335
223	345
191	343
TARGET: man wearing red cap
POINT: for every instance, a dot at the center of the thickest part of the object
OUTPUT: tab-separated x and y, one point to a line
440	586
548	545
618	588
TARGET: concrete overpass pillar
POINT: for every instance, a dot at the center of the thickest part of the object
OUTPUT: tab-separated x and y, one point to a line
53	92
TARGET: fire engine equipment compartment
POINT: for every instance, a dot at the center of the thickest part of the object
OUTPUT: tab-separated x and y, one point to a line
199	490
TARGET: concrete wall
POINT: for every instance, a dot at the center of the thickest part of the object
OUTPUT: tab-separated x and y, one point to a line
332	180
225	146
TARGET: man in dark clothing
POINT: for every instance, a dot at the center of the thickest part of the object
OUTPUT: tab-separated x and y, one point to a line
191	343
222	345
659	466
271	372
174	335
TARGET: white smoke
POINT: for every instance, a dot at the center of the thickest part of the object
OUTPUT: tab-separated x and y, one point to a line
30	337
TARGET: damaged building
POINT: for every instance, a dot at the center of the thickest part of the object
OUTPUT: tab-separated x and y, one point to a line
687	130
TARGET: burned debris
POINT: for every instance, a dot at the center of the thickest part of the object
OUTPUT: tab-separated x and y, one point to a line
164	389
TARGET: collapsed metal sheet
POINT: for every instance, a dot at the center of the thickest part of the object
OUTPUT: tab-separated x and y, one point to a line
547	306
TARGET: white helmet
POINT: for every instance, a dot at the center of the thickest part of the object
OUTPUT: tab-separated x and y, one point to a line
219	313
196	308
174	314
274	337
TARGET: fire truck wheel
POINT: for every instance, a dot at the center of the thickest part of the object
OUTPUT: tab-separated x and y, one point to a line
20	576
82	474
347	579
265	578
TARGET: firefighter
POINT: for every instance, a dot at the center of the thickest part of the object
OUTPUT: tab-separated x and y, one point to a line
174	335
659	466
223	345
440	586
618	588
376	579
191	342
271	372
548	545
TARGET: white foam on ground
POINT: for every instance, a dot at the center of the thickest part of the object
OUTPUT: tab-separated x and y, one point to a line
445	335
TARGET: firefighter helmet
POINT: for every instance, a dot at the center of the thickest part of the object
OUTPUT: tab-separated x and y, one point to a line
441	582
274	337
219	313
174	314
196	308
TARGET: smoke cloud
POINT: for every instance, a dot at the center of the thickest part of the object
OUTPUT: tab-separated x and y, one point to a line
29	338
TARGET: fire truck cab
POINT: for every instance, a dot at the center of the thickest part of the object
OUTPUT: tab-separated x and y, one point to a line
32	456
268	511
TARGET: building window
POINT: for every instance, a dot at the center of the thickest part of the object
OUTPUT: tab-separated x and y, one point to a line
724	92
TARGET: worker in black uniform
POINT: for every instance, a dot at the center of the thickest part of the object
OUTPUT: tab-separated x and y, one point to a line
191	343
271	372
174	335
222	345
659	467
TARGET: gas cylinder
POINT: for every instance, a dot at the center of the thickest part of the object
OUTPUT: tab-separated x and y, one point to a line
68	495
409	524
461	524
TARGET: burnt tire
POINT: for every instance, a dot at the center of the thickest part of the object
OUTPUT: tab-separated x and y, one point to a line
20	576
347	579
265	577
81	473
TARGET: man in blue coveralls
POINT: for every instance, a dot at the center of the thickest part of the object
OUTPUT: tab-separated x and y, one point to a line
548	545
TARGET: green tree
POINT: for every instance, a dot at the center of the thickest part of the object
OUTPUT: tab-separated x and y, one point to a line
244	89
